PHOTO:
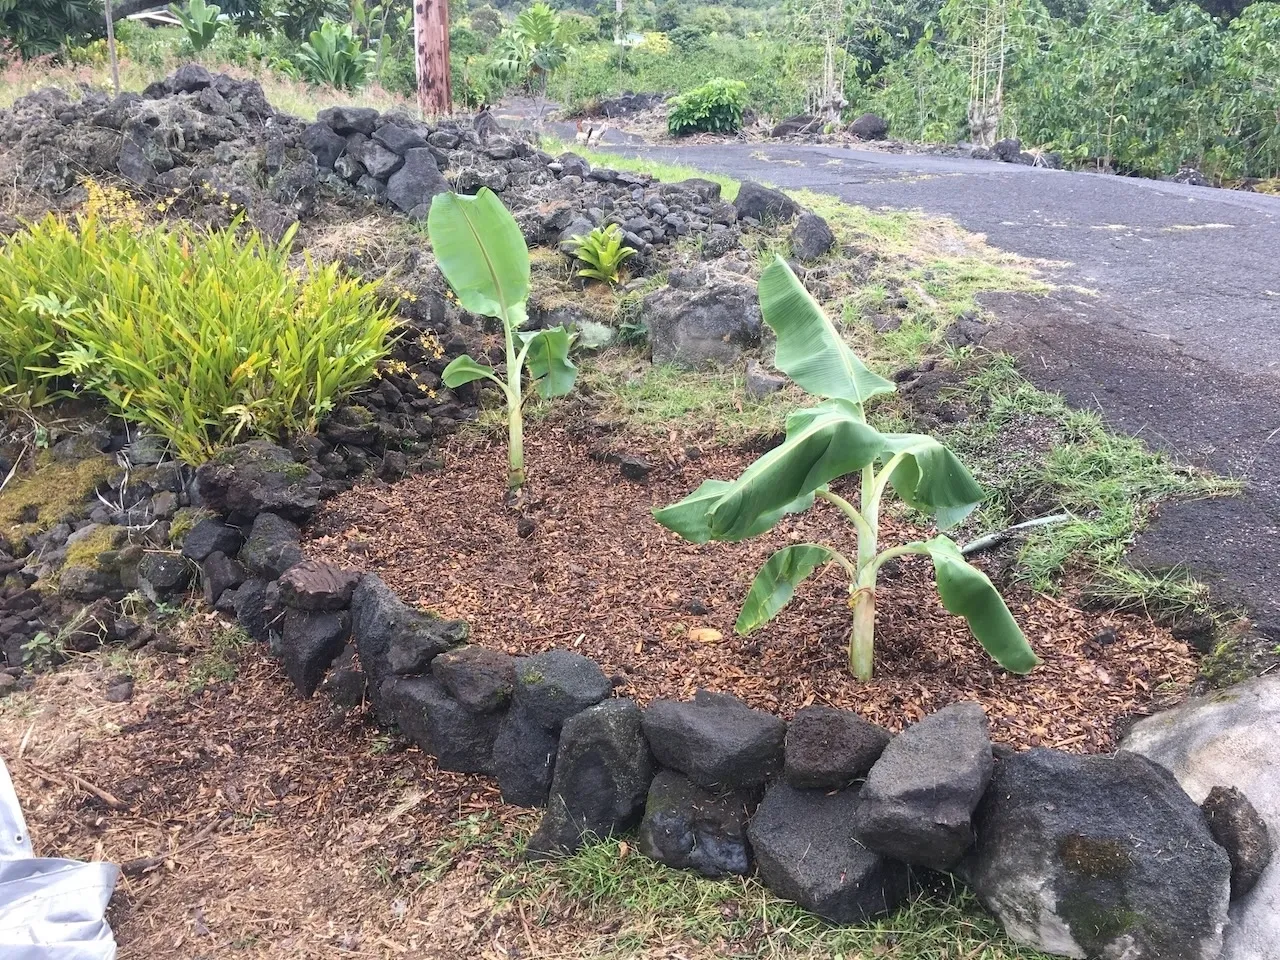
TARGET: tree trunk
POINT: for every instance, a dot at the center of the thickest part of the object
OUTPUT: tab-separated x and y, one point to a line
617	21
431	34
111	48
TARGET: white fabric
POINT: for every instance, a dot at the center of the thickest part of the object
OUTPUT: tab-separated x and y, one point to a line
50	909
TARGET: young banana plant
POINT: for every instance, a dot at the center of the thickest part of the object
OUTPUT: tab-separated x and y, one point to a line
482	254
824	443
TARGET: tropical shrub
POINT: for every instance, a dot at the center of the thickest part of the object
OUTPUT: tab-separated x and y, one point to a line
203	335
481	252
714	107
603	252
333	57
199	21
38	27
823	444
531	49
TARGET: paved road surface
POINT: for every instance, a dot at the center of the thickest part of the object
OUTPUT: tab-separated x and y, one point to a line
1179	341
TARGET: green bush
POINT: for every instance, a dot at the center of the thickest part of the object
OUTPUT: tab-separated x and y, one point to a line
203	335
333	57
714	107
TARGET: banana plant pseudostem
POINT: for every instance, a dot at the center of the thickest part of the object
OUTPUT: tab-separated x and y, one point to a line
824	443
482	254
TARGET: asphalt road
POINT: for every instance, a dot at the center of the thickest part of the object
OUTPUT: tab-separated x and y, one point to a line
1166	318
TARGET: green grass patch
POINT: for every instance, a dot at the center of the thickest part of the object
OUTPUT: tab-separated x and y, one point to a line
666	172
646	904
219	661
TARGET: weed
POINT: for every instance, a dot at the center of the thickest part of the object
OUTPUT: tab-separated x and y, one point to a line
219	662
668	172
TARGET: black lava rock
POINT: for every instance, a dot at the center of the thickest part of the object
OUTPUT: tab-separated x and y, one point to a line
310	641
551	687
272	548
211	536
481	679
1241	831
459	739
716	740
828	748
690	828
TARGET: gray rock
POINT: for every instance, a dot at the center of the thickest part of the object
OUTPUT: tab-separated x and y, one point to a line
524	758
415	183
309	642
1099	857
827	748
256	477
161	575
805	853
349	168
459	739
1241	831
379	161
551	687
711	328
760	382
765	204
602	776
572	165
811	237
499	148
398	139
345	120
869	126
211	536
707	191
1229	738
220	573
716	740
255	616
918	801
272	548
189	78
312	585
345	682
481	679
690	828
325	145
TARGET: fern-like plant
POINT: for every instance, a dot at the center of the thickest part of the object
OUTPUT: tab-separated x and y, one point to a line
603	252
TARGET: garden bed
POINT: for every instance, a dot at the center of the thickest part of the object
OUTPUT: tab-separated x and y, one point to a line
598	575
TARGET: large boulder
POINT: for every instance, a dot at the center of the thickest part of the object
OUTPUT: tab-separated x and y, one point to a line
799	124
702	329
255	477
716	740
765	204
411	187
1230	738
690	828
805	852
1099	857
459	739
828	748
551	687
393	638
870	126
919	798
603	772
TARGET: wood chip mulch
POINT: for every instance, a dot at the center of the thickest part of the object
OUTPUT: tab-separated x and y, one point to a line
600	576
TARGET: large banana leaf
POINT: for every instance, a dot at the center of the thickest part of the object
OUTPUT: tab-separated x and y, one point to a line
548	363
776	583
810	350
966	592
691	517
463	370
823	443
482	254
930	478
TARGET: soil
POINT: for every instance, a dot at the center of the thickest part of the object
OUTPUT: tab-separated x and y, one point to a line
598	575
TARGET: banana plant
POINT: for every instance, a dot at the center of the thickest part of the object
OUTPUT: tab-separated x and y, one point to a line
482	254
824	443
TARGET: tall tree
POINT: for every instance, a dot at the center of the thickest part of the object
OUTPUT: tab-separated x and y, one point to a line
431	36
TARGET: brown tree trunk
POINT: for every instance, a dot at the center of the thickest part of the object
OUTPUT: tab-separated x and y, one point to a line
431	34
111	48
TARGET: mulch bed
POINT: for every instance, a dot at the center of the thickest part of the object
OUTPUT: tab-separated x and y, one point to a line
600	576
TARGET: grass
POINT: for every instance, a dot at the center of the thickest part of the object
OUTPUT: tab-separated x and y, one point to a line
646	904
219	661
666	172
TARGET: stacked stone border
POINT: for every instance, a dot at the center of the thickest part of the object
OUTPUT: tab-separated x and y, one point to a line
1077	855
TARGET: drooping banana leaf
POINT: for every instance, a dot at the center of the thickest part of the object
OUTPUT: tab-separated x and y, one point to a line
966	592
931	479
691	517
810	350
548	361
823	443
776	583
463	370
482	254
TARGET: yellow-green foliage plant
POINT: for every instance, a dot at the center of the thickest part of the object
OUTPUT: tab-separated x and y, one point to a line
206	336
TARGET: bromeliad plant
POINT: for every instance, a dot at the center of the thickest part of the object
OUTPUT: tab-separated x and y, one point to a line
482	254
603	253
825	443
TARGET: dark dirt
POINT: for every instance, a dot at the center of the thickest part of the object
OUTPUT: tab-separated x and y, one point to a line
600	576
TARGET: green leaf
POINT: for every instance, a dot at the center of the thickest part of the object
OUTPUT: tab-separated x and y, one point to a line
691	517
776	583
823	443
930	478
463	370
966	592
482	254
548	362
810	350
